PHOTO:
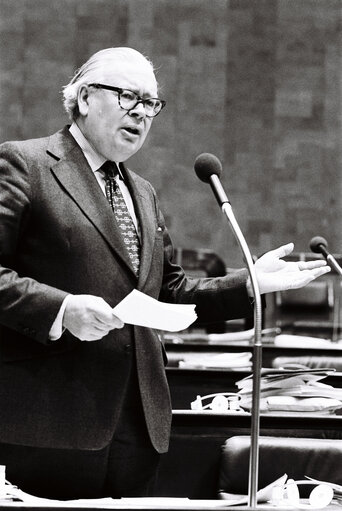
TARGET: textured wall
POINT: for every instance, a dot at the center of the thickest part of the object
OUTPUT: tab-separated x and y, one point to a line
257	82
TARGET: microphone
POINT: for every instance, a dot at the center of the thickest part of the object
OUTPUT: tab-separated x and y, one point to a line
208	169
319	245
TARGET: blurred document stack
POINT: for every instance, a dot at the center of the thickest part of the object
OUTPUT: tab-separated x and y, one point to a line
241	360
295	391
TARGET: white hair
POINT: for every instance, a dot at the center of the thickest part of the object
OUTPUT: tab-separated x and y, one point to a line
92	71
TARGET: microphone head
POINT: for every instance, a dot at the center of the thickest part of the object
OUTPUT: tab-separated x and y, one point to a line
207	164
316	243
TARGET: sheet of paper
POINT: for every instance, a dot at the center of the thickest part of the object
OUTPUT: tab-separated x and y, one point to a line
172	503
168	503
263	495
310	404
22	500
143	310
221	360
302	341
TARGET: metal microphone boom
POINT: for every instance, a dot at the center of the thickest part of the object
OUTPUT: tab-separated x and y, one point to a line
208	168
319	245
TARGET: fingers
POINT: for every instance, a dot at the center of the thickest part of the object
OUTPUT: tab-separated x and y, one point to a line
92	334
309	265
282	251
117	322
317	272
107	319
314	272
302	278
102	326
283	279
89	317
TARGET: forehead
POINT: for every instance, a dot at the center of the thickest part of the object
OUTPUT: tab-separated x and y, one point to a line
137	76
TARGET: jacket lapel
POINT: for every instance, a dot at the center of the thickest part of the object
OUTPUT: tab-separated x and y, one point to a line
72	171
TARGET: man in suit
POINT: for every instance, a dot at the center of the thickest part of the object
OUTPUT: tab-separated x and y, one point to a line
85	406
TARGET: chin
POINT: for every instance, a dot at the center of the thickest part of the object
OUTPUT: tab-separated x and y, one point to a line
127	154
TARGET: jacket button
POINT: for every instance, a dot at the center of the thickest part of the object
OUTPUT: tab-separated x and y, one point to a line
128	348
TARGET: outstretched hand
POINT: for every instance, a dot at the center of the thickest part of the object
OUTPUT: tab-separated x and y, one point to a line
275	274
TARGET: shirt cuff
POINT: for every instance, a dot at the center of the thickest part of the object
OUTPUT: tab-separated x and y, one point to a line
57	329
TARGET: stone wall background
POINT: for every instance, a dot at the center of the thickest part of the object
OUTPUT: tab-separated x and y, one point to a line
256	82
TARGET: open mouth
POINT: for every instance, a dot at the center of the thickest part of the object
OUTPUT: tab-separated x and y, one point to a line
132	130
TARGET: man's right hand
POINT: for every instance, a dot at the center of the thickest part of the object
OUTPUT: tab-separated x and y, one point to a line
89	317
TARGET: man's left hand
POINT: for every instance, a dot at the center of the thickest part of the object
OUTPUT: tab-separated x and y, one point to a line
275	274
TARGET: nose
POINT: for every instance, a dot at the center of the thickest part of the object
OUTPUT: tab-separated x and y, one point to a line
138	110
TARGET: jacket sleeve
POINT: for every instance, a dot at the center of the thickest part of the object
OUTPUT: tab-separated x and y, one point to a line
26	305
216	299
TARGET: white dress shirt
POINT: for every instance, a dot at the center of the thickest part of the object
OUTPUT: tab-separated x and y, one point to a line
95	161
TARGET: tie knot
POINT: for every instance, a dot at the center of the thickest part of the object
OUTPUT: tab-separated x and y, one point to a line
110	169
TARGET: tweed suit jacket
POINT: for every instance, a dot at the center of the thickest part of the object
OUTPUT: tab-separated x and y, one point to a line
58	236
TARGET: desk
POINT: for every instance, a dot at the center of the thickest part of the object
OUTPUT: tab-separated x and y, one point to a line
191	468
192	506
185	384
225	425
177	351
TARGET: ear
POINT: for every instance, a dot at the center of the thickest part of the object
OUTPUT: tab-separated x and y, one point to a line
83	99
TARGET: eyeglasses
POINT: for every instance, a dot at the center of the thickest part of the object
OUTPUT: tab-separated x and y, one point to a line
129	99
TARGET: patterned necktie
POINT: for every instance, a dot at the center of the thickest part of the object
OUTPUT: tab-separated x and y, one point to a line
123	218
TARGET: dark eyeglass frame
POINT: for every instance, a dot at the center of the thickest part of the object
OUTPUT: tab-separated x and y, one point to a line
139	99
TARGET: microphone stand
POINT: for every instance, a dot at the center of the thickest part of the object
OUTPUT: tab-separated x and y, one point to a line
257	358
332	261
226	208
337	289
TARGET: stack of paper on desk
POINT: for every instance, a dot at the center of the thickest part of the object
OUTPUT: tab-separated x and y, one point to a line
17	498
218	361
325	405
302	341
292	390
242	335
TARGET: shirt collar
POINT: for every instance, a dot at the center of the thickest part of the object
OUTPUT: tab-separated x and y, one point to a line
94	159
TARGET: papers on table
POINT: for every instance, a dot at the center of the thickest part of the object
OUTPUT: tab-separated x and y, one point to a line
280	378
263	495
17	498
172	503
242	335
300	404
143	310
302	341
292	390
241	360
270	493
